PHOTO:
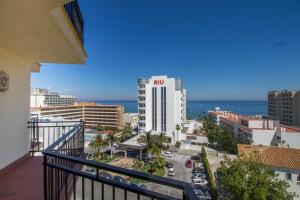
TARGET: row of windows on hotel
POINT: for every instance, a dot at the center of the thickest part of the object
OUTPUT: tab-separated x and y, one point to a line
163	122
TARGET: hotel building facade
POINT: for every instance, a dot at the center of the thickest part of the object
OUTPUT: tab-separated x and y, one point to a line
91	113
161	104
285	106
43	97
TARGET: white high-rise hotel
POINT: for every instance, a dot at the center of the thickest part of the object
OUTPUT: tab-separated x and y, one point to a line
161	104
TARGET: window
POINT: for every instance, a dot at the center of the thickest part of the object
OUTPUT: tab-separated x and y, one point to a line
289	176
298	179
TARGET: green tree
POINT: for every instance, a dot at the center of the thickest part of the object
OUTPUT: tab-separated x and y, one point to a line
111	139
160	162
225	142
146	139
100	127
177	129
249	180
96	144
162	138
155	149
177	145
126	133
138	165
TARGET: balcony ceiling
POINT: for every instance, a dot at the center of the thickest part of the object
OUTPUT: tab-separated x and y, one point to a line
39	31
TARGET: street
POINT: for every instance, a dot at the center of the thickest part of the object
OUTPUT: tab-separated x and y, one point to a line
182	173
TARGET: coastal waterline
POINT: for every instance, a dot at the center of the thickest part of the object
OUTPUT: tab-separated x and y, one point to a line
197	108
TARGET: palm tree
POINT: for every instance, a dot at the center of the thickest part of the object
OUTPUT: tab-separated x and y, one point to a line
177	145
111	139
96	143
126	132
177	129
138	165
146	139
162	137
155	149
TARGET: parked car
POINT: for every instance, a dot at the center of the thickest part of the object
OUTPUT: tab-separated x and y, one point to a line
197	176
169	165
90	171
120	179
188	163
167	154
199	182
208	195
200	194
139	185
197	164
196	157
106	175
171	172
198	170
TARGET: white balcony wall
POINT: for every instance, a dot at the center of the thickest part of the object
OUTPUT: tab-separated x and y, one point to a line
14	108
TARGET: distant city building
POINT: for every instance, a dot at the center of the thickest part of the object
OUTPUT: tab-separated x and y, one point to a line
285	106
43	97
93	114
161	104
131	119
258	130
284	161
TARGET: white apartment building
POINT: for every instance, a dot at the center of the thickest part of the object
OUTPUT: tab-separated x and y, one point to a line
257	130
43	98
161	104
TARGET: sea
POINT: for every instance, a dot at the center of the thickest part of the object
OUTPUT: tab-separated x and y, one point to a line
196	109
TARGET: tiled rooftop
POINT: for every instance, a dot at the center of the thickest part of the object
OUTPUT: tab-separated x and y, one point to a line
273	156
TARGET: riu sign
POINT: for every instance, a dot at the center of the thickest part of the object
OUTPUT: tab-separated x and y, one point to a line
159	82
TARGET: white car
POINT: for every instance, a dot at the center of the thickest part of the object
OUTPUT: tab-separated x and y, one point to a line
199	176
167	154
199	181
171	172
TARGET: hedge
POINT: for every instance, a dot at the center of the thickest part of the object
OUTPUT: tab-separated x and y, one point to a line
211	181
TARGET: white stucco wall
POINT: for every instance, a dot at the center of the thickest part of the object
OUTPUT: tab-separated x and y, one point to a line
291	139
293	185
14	109
263	137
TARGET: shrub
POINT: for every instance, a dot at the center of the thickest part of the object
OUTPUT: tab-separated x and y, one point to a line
211	181
99	127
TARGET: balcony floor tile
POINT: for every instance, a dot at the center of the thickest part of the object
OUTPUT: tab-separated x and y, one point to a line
25	181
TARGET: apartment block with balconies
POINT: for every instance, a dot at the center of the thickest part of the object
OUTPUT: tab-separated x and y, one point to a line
285	106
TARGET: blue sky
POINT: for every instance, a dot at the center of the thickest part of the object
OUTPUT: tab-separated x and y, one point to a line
223	50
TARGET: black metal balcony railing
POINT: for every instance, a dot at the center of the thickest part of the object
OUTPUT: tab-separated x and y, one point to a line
44	133
73	10
65	176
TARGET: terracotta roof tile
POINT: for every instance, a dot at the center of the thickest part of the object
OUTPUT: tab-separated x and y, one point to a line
274	156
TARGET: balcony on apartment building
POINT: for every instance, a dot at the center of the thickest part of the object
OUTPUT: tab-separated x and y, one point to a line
43	31
57	169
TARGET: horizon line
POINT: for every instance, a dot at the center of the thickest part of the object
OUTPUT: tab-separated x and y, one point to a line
80	99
